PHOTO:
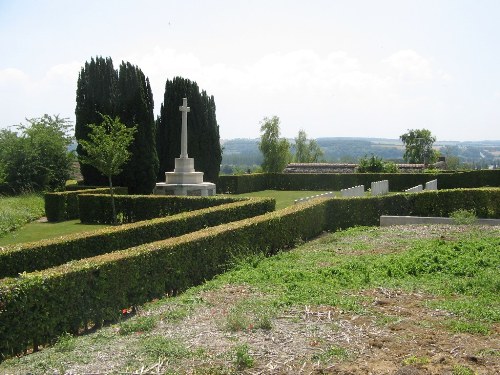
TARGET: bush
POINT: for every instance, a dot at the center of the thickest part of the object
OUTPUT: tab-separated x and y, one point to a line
96	209
64	205
39	255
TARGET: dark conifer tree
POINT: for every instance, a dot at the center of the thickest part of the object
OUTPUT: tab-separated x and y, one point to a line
203	130
95	94
135	108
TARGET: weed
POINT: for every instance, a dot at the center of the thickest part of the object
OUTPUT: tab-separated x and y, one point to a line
162	347
464	217
462	370
243	359
460	326
65	343
332	353
414	360
236	321
138	324
489	352
175	315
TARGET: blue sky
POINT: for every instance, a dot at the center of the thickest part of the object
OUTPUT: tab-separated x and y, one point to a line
337	68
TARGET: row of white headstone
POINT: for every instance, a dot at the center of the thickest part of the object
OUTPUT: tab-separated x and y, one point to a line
377	188
355	191
430	185
324	195
380	187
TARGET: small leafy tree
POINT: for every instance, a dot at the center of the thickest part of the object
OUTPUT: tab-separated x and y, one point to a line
418	146
307	151
375	164
107	149
276	150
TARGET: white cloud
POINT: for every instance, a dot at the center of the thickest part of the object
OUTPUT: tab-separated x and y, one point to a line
29	97
409	66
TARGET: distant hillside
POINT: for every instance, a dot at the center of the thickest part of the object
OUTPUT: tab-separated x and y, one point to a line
245	152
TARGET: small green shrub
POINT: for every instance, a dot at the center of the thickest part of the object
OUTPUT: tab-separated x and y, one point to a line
157	347
333	352
138	324
464	217
415	360
65	343
243	358
462	370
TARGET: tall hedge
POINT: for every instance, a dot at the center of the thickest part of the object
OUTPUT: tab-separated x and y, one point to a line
337	181
135	108
125	93
95	94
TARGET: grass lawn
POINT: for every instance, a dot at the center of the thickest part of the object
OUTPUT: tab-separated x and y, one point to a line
19	210
283	198
36	231
413	299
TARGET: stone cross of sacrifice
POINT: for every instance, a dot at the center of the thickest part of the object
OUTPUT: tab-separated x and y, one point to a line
184	139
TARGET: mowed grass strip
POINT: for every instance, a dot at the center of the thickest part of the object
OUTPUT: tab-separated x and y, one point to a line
459	268
36	231
283	198
19	210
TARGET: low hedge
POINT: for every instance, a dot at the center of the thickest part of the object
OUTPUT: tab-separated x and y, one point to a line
96	209
337	181
39	255
64	205
344	213
37	307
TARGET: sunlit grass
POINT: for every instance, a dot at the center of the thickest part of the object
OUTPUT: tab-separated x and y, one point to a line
19	210
36	231
283	198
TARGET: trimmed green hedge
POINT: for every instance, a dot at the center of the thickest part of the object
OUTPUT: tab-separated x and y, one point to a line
96	209
39	306
337	181
64	205
344	213
39	255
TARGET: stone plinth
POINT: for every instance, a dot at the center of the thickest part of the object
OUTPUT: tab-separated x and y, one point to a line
204	189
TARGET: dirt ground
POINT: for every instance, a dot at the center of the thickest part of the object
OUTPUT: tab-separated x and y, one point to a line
400	336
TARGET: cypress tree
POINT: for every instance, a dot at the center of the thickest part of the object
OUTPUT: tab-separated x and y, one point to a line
95	94
135	108
203	130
